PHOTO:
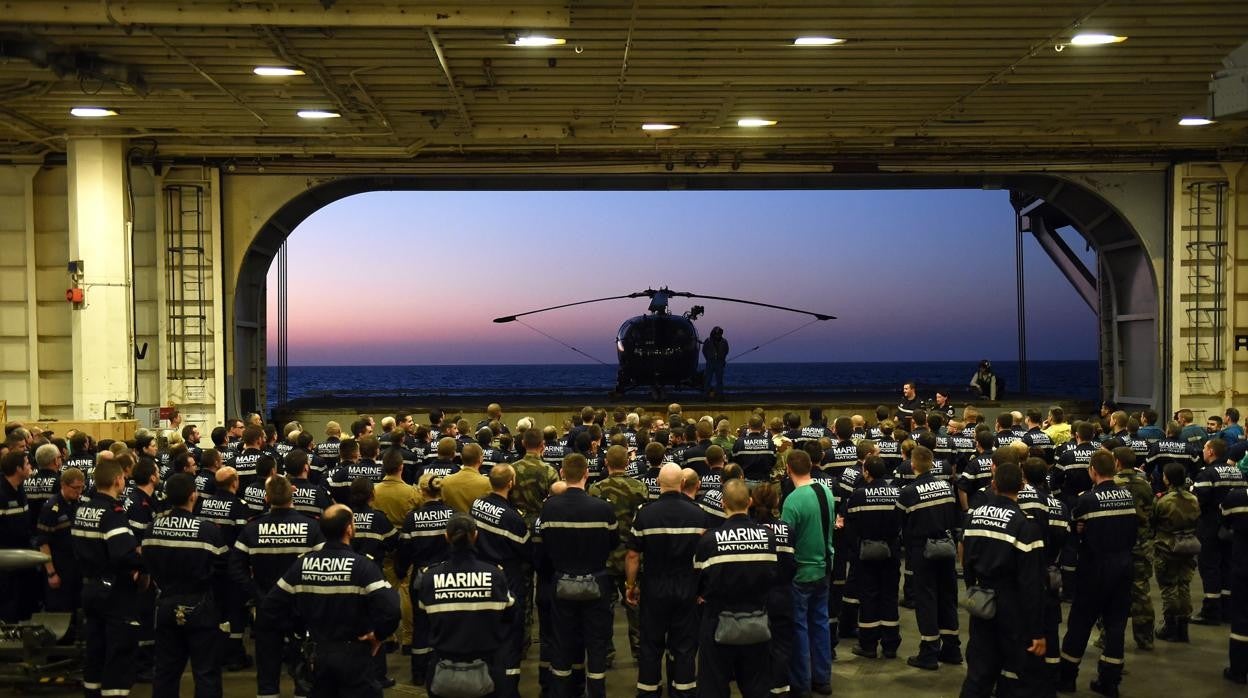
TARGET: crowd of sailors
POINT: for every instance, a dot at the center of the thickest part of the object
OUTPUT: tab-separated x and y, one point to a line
738	552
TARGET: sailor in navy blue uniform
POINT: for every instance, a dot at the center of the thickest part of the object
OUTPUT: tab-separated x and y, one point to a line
1171	449
186	557
1049	513
736	566
714	460
327	452
711	499
468	604
142	506
108	556
1234	511
930	513
977	471
229	513
1068	479
1211	486
245	461
765	509
755	452
843	595
843	453
664	536
871	514
443	462
1040	444
253	494
347	605
1004	552
44	483
309	497
81	454
578	533
1105	530
695	455
16	601
422	542
265	549
503	539
656	454
52	536
367	466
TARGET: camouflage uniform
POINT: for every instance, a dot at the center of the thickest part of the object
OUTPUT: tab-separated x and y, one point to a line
1176	511
1142	614
533	481
625	495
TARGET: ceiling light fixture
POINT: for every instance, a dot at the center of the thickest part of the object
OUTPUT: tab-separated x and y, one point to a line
659	127
92	112
755	122
317	114
817	41
276	71
1093	39
538	41
1195	121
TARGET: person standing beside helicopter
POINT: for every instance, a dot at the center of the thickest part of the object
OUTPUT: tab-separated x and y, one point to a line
715	351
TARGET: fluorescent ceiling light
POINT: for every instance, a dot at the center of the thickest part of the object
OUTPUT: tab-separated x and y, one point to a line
754	123
659	127
317	114
817	41
539	41
1195	121
92	112
276	71
1089	39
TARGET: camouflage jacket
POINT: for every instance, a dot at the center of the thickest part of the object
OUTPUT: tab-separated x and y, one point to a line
1142	493
625	495
533	481
1176	511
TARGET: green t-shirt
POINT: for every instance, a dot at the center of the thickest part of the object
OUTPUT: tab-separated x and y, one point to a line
812	549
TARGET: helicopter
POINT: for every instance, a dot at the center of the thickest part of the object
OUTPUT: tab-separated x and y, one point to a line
658	349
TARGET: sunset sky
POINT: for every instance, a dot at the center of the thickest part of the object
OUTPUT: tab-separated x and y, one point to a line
415	277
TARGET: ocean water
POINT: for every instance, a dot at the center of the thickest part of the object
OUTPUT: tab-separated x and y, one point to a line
1070	379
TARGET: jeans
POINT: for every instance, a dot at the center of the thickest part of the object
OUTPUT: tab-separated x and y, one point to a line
713	378
812	650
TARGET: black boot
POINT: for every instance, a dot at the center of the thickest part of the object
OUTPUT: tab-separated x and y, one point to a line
1182	630
1210	613
1104	688
1168	631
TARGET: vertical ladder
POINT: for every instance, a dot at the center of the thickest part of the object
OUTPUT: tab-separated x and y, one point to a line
187	272
1203	298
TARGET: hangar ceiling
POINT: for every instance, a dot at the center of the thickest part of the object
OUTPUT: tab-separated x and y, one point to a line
917	80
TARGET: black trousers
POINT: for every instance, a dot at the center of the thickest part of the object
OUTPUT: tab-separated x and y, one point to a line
669	624
341	671
547	651
836	594
582	631
720	665
109	622
509	654
198	639
851	595
935	605
997	661
275	646
1214	565
1103	591
1239	621
780	621
878	621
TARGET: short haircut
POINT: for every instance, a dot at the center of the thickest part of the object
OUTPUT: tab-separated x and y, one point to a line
1033	415
106	473
865	448
226	477
617	458
265	465
921	459
1149	415
882	412
70	476
1232	414
1124	455
46	454
1007	478
1118	419
736	495
187	431
369	446
1035	470
1005	454
335	523
1175	474
144	472
843	427
278	491
179	488
732	471
1102	462
472	454
446	448
715	455
361	491
1085	431
575	466
532	439
252	434
655	453
1217	447
348	449
392	461
799	462
1005	420
501	475
875	467
13	462
209	457
296	462
985	439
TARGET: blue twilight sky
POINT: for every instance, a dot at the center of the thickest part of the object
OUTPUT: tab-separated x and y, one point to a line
415	277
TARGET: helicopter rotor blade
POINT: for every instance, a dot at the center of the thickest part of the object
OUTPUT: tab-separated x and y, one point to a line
512	318
817	316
